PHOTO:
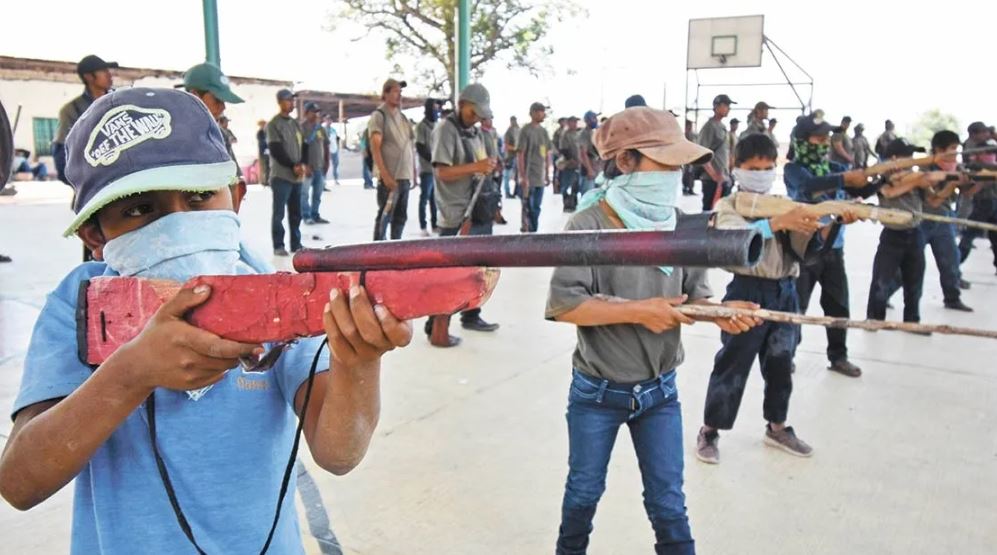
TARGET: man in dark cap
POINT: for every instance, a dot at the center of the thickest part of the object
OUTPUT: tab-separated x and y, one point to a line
860	148
589	156
534	165
714	136
316	145
392	145
981	198
97	81
634	101
287	169
812	178
424	146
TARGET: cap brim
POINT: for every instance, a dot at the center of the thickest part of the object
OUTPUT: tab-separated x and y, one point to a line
192	178
678	154
483	112
226	95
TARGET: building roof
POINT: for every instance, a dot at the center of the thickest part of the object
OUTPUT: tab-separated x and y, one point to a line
25	69
354	105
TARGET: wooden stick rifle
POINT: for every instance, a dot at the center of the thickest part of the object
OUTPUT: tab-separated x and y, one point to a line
754	205
714	311
891	166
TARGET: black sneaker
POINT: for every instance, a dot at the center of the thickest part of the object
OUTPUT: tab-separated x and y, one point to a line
707	446
963	284
280	252
786	440
5	258
958	305
477	324
320	220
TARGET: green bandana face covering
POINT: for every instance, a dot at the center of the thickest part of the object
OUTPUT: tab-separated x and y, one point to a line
814	157
642	200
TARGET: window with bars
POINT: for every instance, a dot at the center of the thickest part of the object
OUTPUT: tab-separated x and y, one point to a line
44	131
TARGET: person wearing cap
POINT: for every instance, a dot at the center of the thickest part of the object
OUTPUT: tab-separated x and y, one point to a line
392	143
511	171
534	165
714	136
570	162
285	142
772	284
156	196
841	145
901	246
757	121
555	153
316	144
940	236
629	333
885	138
634	101
591	162
423	146
462	162
811	177
861	150
771	133
979	203
97	81
208	83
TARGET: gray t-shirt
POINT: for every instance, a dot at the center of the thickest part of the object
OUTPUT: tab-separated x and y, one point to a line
845	141
397	140
68	115
860	151
286	131
622	353
317	145
511	139
535	143
911	201
713	136
424	136
448	148
569	149
586	145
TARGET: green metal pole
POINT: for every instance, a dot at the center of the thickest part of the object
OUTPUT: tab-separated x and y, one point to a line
463	44
211	51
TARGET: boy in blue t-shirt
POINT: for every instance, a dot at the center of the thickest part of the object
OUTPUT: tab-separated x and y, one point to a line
174	449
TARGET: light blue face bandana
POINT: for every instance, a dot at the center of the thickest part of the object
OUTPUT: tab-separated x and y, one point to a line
178	246
642	200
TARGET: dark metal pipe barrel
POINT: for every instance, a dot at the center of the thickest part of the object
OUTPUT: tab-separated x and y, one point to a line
701	247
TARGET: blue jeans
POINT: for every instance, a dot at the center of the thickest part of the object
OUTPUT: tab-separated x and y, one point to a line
368	178
941	237
510	172
596	410
569	187
334	166
773	343
285	194
313	186
532	206
426	196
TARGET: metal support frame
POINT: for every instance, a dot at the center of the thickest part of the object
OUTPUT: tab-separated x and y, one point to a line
775	51
211	51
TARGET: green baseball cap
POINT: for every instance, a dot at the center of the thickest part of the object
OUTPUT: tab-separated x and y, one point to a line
207	77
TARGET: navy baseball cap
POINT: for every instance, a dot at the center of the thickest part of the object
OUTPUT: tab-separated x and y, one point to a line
285	94
812	125
901	148
138	140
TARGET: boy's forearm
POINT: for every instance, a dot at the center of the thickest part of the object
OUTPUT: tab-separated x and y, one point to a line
47	450
600	312
348	417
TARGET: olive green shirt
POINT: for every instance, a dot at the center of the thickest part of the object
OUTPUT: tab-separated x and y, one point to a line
397	140
286	131
534	143
455	147
622	353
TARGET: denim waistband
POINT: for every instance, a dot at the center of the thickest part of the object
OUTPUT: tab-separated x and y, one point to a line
666	379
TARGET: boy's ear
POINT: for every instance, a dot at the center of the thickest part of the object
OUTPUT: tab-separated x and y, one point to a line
93	238
238	194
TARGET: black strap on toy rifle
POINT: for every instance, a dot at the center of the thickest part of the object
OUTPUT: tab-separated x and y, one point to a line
150	410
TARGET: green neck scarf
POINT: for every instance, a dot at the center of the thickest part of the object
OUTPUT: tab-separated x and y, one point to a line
814	157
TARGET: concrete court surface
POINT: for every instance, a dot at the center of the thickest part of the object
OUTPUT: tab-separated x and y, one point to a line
470	455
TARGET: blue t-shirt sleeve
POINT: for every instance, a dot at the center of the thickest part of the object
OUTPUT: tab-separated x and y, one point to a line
804	186
764	227
291	370
52	367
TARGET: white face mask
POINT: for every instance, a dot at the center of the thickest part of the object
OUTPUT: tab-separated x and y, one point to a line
755	181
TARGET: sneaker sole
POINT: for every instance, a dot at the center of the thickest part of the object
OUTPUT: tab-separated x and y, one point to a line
706	460
773	443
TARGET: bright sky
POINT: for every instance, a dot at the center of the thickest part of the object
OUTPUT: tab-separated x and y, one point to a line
870	60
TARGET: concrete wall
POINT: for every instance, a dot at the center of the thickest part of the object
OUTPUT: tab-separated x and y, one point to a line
44	99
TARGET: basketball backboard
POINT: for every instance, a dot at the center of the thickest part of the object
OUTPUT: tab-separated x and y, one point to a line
725	42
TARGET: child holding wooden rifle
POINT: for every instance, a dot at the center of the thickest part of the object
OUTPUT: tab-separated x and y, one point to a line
772	285
901	247
629	338
174	449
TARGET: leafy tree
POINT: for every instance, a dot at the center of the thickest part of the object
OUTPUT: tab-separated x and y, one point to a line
420	34
929	123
